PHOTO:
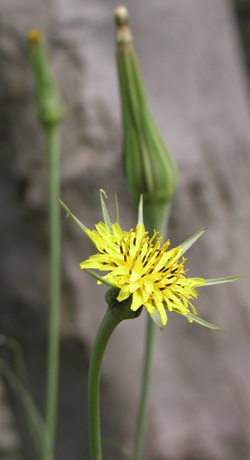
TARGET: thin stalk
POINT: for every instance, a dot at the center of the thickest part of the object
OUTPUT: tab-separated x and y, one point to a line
107	326
53	138
144	396
154	218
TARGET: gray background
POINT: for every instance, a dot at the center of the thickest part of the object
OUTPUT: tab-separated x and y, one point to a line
193	71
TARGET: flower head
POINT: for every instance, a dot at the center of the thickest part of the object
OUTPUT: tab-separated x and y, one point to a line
143	268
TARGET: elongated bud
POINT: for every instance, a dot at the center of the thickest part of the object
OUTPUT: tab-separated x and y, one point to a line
149	168
49	106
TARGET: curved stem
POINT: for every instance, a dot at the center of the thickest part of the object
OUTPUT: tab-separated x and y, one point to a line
154	218
53	139
108	324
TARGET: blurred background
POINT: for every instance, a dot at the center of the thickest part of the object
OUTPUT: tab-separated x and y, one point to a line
194	56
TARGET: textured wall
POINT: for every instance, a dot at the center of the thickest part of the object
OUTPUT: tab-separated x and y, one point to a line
193	73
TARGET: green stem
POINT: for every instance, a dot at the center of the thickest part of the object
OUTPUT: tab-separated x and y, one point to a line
108	324
144	397
155	218
53	138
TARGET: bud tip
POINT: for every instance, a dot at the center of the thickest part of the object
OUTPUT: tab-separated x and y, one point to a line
33	36
121	15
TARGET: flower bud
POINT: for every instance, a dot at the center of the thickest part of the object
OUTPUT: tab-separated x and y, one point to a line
149	168
49	106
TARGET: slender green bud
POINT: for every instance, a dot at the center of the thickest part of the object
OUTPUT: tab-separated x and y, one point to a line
49	106
149	168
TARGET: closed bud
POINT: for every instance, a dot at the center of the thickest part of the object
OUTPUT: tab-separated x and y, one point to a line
49	106
149	168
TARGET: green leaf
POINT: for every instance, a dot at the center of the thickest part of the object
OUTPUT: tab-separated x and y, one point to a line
74	218
190	241
229	279
105	213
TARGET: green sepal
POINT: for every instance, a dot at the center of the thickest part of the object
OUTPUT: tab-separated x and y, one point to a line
117	210
99	278
140	210
74	218
191	240
204	323
229	279
121	310
200	321
156	318
106	218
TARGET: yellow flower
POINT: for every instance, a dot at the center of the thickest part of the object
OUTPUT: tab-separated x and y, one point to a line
144	269
141	267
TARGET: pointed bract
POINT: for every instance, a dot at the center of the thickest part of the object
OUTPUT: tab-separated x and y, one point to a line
229	279
105	213
140	210
191	240
74	218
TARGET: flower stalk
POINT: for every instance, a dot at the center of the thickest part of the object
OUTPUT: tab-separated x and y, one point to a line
116	312
50	113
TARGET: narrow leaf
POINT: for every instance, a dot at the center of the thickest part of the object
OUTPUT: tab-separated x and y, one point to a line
190	241
105	214
230	279
74	218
